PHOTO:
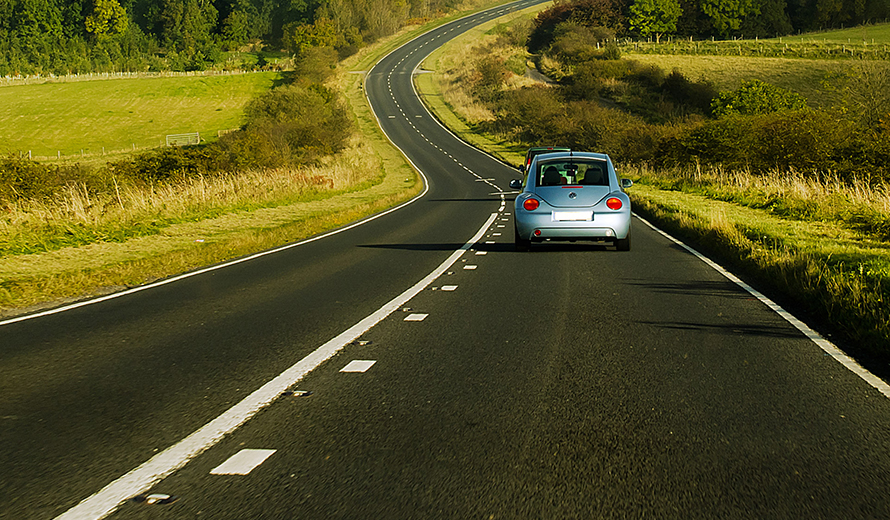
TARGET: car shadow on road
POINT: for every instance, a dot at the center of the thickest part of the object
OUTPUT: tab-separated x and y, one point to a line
562	247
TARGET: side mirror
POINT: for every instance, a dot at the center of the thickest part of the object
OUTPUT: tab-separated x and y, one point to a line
626	183
516	184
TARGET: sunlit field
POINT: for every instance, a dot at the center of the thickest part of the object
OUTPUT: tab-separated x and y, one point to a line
90	118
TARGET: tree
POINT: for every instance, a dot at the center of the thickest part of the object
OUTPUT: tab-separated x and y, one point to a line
108	18
299	37
727	15
655	17
236	29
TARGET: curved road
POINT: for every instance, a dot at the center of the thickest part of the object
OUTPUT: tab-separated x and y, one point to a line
572	382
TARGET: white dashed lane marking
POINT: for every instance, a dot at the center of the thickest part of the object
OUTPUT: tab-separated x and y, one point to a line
416	317
358	365
449	287
242	462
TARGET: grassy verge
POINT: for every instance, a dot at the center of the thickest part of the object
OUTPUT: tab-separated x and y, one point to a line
798	239
836	276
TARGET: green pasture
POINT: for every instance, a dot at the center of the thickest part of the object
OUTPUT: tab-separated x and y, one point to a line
863	34
117	114
805	77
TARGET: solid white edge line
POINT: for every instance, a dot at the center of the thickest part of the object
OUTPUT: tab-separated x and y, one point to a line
828	347
107	500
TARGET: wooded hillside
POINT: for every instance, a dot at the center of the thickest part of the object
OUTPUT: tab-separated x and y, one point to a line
78	36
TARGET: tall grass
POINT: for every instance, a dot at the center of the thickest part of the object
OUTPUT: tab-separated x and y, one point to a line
75	216
860	206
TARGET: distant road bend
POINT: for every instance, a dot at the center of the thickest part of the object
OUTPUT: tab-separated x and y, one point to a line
415	366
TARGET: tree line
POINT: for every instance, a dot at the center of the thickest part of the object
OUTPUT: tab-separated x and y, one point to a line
710	18
79	36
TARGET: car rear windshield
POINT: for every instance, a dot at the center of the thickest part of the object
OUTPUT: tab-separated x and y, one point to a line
532	152
587	172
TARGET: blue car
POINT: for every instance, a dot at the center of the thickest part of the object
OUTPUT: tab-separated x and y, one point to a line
572	196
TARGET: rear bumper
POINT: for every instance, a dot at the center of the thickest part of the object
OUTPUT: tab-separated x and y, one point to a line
607	226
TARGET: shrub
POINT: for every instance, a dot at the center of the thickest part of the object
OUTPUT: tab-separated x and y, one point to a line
803	140
491	74
612	51
756	97
167	164
587	13
587	81
527	114
27	179
301	123
574	43
696	95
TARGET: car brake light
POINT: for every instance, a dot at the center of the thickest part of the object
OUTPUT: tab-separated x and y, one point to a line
614	203
531	204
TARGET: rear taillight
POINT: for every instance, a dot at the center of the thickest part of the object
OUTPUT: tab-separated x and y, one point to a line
531	204
614	203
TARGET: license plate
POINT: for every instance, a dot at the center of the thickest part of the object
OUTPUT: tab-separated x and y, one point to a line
573	216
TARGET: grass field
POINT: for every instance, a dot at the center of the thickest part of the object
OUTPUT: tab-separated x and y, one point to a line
727	72
117	114
867	34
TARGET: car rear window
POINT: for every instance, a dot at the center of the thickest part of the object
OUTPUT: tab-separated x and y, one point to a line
532	152
585	172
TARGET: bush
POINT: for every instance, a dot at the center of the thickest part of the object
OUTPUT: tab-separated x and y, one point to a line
803	140
696	95
756	97
588	79
527	113
574	43
168	164
491	74
301	123
27	179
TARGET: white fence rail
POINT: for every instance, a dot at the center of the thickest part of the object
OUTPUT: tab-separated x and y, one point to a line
183	139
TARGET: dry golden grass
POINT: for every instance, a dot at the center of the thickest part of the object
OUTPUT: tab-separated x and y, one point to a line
864	206
37	221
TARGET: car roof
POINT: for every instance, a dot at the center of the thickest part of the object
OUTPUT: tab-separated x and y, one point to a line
577	155
554	148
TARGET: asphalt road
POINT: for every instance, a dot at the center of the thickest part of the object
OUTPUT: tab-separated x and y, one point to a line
571	382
